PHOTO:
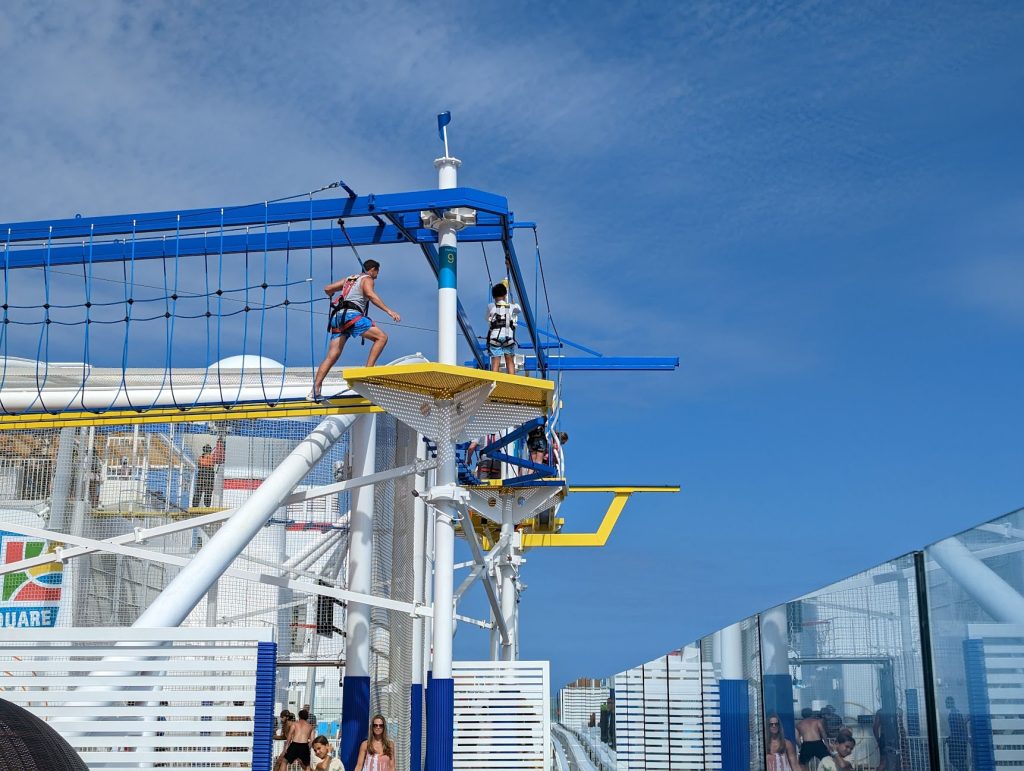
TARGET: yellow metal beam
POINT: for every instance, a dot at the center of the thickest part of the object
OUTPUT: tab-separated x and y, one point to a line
291	409
608	522
628	489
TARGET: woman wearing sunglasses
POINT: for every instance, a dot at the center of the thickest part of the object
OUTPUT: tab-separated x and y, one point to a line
377	753
780	752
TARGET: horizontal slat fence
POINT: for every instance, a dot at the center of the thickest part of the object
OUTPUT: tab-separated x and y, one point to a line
502	715
126	696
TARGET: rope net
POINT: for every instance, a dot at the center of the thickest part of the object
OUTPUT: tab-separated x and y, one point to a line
131	314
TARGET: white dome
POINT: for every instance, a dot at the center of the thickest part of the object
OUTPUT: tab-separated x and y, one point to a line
247	361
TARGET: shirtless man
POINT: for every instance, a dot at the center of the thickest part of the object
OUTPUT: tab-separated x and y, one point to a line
811	731
298	735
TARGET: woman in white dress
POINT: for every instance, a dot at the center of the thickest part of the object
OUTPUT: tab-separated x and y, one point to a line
377	753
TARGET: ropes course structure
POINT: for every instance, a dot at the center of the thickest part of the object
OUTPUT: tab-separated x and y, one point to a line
149	339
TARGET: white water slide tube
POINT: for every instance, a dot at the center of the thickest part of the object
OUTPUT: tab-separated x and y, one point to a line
31	387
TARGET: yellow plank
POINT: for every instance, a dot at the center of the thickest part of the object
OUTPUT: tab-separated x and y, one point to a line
292	409
600	538
445	381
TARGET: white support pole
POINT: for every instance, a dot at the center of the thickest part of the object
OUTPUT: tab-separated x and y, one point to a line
62	475
428	588
508	588
419	544
174	603
286	633
440	698
355	709
731	641
447	279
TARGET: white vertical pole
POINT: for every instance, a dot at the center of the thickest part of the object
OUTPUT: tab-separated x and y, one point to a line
428	588
440	697
419	544
355	709
285	630
508	588
731	646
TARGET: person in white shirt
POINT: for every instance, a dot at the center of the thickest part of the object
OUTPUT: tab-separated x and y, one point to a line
502	317
325	760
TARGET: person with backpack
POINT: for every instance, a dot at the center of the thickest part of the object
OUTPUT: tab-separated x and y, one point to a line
349	318
501	329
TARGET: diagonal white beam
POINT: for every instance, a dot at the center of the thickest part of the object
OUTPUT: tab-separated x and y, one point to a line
487	578
245	575
138	535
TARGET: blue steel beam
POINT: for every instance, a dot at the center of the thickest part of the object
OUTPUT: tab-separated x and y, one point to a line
430	252
257	215
604	363
214	243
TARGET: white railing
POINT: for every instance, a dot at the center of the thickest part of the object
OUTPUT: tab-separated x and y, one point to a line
667	714
131	697
502	715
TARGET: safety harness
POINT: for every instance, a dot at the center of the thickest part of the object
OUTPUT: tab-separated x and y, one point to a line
336	321
503	325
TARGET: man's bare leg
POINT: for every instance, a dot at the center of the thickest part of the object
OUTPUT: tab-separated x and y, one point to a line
510	364
379	338
495	363
333	354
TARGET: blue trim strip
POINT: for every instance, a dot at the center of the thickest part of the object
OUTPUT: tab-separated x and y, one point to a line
191	246
978	703
734	708
355	718
440	724
263	711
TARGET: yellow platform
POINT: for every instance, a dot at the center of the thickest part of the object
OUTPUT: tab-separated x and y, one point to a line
287	409
446	381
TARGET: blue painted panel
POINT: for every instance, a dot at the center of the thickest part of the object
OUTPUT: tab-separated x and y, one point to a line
416	727
778	698
440	724
735	722
263	715
980	709
355	718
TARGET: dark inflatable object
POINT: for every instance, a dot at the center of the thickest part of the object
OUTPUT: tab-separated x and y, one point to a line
30	744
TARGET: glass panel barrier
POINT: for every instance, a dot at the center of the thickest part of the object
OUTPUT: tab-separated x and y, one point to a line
976	619
845	662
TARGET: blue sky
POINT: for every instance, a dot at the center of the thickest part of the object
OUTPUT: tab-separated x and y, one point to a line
817	206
